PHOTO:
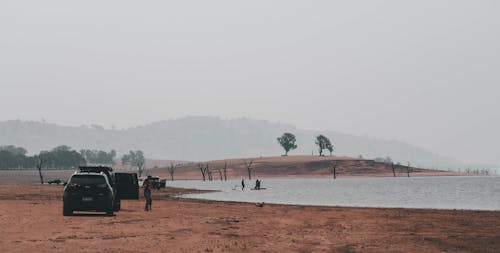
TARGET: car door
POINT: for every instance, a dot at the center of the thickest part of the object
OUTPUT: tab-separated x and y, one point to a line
127	185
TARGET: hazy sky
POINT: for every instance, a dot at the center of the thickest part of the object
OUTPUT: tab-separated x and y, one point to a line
423	72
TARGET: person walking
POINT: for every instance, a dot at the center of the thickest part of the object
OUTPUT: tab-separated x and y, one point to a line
242	184
147	185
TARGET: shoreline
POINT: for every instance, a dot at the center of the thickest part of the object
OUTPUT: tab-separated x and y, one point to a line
326	206
31	177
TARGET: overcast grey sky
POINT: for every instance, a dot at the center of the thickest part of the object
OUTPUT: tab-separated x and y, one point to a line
423	72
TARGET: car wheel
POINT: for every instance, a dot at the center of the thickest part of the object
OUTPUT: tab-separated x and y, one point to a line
110	209
117	206
67	211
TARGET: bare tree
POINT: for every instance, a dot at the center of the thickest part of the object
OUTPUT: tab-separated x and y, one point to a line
41	160
171	171
333	169
220	173
202	170
225	171
408	169
248	165
393	169
468	170
209	173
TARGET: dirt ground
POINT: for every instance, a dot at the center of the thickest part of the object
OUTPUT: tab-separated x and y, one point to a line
31	221
298	167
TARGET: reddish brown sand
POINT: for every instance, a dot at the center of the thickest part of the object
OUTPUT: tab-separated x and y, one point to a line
31	221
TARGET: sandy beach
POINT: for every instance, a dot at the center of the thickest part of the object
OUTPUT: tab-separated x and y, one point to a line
31	221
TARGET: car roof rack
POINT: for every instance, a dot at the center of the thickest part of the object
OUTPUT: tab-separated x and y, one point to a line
96	169
88	173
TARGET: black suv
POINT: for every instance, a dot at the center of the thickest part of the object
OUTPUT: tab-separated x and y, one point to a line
88	191
122	185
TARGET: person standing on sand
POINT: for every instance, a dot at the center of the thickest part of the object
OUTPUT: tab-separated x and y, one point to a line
242	184
147	193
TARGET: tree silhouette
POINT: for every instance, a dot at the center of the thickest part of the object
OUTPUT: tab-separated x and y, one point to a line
225	171
41	160
329	146
287	141
248	165
220	173
323	143
202	170
333	169
171	171
205	171
408	169
393	166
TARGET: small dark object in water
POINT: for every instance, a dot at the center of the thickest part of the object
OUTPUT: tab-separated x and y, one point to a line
261	204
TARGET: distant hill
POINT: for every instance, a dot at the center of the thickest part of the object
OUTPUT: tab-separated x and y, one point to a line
209	138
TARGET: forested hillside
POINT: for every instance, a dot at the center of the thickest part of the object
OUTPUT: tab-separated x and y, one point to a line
208	138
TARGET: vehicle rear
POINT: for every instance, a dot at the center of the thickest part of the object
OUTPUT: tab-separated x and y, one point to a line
88	192
108	171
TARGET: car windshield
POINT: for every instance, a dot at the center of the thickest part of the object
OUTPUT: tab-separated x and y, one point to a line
87	179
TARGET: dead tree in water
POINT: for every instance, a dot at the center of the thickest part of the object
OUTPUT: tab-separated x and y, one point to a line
202	170
408	169
209	172
248	165
171	171
225	171
468	170
220	173
393	169
333	169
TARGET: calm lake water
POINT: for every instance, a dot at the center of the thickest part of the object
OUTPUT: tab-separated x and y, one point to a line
474	193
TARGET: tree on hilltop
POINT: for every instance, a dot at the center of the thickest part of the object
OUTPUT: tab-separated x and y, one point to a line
287	141
323	143
329	146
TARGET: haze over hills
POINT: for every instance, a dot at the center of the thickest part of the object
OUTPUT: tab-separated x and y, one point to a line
209	138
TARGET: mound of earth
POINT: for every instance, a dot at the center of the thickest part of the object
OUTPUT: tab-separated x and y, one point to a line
297	166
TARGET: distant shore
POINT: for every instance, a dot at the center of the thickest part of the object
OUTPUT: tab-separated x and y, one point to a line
32	177
261	167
